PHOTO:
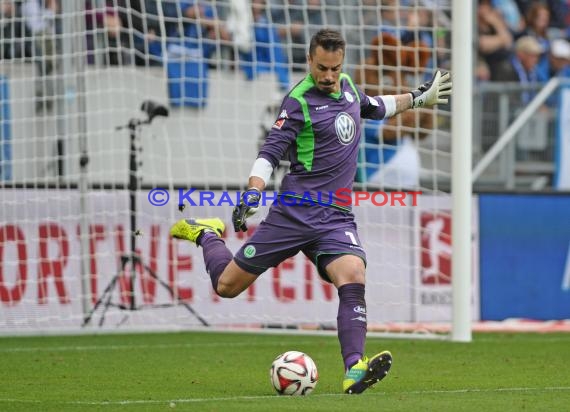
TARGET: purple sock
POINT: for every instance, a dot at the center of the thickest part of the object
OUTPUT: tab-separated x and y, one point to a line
216	256
351	322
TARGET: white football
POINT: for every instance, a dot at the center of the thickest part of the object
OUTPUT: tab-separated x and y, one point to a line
293	373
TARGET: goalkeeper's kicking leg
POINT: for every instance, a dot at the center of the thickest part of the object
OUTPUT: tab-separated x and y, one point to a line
228	278
264	250
217	257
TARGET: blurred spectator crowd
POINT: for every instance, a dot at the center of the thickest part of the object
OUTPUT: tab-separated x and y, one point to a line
518	40
523	41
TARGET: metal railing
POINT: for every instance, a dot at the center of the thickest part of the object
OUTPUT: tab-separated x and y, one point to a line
514	139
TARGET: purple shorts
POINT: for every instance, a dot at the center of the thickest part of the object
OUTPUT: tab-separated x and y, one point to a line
322	233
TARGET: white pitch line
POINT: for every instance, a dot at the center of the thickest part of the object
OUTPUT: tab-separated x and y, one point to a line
326	395
208	344
151	346
19	401
477	390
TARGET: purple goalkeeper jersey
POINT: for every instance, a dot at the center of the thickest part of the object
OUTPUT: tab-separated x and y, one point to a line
322	133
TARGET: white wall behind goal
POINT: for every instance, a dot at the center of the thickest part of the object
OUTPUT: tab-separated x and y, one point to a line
215	145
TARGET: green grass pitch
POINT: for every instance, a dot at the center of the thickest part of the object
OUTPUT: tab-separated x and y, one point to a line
230	372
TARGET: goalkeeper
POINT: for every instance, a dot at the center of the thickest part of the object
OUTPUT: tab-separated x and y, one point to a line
319	122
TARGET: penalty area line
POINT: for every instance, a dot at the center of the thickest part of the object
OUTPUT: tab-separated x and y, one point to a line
265	397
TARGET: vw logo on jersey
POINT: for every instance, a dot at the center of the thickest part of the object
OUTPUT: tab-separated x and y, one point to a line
345	128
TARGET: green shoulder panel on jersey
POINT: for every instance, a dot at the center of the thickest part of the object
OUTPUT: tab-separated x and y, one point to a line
306	138
344	76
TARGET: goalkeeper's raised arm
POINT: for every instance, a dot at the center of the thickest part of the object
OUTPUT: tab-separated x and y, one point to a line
436	91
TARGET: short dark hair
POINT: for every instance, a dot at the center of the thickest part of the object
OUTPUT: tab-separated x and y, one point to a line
328	39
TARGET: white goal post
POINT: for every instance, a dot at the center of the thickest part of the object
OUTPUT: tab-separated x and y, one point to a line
112	111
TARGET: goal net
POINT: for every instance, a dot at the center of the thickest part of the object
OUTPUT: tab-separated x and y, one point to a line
113	112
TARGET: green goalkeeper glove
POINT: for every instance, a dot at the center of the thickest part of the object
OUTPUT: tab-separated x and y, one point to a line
433	92
248	206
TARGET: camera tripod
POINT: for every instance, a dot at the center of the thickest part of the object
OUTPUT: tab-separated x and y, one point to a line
152	110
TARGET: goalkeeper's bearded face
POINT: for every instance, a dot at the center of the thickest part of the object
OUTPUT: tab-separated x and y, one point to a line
325	67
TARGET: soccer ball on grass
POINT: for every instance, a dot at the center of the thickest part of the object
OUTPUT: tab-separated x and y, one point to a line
293	373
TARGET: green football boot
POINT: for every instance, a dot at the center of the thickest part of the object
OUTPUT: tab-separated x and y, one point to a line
366	372
192	229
